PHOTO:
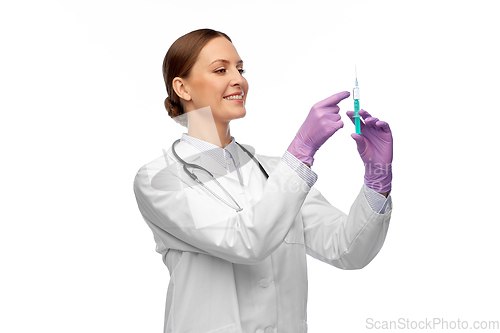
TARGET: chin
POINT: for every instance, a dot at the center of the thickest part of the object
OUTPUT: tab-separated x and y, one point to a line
241	114
236	114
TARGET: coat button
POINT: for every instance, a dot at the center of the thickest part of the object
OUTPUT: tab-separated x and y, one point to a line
269	330
264	283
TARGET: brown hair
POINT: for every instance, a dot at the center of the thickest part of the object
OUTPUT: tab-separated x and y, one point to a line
179	61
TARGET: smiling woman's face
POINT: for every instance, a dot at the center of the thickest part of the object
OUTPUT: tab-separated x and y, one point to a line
216	75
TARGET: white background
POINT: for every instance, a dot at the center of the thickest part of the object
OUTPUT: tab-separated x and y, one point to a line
82	110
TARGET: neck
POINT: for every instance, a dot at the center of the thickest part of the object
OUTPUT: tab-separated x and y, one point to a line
202	126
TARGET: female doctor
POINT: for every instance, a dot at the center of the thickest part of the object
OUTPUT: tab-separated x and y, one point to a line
235	235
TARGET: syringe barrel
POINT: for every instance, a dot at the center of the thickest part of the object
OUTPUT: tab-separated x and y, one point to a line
355	93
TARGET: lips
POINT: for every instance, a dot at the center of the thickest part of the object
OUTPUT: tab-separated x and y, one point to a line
235	94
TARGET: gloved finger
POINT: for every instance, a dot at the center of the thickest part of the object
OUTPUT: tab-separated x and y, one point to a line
350	114
360	142
364	114
333	100
326	110
370	121
332	116
333	127
338	125
333	109
383	125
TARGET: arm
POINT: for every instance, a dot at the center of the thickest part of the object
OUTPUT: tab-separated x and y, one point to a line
253	234
352	241
246	237
344	241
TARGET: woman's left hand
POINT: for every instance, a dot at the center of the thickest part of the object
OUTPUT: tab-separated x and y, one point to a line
375	148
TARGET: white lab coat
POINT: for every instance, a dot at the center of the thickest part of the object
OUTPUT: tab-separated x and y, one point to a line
246	272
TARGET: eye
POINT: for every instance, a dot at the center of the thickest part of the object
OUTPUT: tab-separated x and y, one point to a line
221	71
242	71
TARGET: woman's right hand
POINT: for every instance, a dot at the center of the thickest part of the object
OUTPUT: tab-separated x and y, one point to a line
323	120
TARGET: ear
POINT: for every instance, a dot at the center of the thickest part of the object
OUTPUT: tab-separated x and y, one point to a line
180	89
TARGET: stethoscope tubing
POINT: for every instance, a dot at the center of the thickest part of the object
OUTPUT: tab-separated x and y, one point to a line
193	176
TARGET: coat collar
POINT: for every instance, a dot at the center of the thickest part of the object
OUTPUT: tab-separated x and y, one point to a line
216	152
192	155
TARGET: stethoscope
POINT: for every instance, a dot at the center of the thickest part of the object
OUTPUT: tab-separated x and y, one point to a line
193	176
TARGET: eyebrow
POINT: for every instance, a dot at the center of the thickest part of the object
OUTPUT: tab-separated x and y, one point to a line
226	61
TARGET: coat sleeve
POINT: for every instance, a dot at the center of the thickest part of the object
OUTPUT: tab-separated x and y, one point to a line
245	237
344	241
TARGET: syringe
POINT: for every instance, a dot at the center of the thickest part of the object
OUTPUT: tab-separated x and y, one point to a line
355	94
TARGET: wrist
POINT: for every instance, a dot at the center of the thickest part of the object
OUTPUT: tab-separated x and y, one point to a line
381	183
302	152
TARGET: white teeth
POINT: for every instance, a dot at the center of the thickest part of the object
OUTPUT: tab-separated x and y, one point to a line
234	97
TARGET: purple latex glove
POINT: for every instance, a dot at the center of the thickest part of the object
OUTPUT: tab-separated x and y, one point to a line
375	148
323	120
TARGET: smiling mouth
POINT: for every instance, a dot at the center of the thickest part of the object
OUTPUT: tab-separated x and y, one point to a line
240	97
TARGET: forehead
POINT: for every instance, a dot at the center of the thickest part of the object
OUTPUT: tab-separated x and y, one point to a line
218	48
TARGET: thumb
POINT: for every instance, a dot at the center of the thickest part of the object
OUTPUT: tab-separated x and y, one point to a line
360	142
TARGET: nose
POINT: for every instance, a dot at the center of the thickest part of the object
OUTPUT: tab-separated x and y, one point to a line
237	80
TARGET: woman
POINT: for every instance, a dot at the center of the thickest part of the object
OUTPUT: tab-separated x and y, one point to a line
237	260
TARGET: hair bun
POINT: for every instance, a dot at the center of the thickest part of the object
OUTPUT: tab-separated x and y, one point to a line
175	112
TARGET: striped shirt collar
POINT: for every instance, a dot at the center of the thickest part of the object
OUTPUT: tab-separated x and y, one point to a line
227	156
